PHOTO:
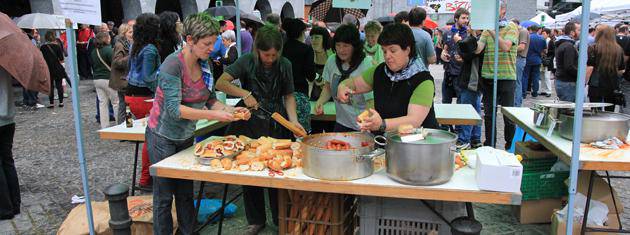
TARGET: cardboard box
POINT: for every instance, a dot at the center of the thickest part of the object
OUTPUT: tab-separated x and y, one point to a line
499	173
531	150
537	211
558	227
601	192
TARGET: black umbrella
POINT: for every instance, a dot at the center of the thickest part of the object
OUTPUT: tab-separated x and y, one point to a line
227	12
250	19
385	19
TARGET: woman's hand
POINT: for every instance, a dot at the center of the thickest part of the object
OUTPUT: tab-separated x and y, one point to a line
246	114
220	115
298	125
343	93
371	123
251	102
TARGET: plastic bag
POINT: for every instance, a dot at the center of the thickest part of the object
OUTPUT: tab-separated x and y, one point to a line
209	206
597	213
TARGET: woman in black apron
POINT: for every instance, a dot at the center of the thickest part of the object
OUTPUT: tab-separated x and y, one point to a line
403	88
267	84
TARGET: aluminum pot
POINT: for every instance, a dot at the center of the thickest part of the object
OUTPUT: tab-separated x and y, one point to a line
596	125
430	161
547	111
339	165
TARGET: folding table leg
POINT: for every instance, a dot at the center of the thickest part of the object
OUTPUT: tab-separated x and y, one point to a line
469	210
612	194
199	197
588	201
135	167
222	215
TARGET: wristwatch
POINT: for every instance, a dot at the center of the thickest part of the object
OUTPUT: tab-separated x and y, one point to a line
383	126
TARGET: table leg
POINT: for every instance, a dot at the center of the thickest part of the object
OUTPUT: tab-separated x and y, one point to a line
612	194
222	215
469	210
436	212
199	197
135	168
588	202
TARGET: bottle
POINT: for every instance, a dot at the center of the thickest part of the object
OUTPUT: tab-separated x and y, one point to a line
128	118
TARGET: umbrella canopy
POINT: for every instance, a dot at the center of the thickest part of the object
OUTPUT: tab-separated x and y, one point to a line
429	23
41	21
543	19
21	58
385	19
322	10
250	19
227	12
527	23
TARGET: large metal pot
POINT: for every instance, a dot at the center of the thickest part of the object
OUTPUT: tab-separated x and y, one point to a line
429	161
339	165
549	110
596	125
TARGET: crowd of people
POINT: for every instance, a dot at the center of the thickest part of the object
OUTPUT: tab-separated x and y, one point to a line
286	63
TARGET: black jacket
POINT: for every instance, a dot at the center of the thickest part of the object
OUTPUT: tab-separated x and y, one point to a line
302	62
471	65
566	60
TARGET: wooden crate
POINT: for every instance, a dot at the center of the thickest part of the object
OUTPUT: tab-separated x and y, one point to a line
302	212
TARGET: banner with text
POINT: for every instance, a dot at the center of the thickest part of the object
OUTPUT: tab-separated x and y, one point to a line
447	6
81	11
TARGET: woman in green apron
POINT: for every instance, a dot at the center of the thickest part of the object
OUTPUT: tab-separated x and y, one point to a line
267	85
403	88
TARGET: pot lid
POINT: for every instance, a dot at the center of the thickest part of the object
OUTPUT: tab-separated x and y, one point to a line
569	105
434	136
604	116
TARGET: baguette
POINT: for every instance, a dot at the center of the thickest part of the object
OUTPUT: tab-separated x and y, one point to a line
287	124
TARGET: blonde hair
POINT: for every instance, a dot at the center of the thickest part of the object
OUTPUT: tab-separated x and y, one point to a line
123	29
373	26
200	25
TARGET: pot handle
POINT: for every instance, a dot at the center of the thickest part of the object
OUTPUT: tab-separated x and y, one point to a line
370	156
380	140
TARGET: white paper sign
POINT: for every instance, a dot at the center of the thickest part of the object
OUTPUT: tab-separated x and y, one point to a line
81	11
482	14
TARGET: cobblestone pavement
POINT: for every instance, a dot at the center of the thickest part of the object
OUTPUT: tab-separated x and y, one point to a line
45	156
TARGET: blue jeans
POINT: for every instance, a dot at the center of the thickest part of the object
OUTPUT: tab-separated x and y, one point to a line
466	134
165	188
531	72
565	90
518	94
29	98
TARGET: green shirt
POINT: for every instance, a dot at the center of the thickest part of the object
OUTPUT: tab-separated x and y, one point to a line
507	60
100	70
422	95
376	52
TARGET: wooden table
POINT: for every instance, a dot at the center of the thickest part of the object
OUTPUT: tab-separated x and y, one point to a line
462	187
446	114
590	159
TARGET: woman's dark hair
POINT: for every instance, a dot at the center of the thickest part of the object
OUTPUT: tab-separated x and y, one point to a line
350	34
145	32
293	27
50	36
398	34
101	39
401	16
168	37
316	30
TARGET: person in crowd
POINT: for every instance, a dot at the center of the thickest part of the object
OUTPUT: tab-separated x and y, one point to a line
218	52
624	41
566	62
229	41
350	61
184	94
371	47
102	57
302	61
246	39
547	63
438	41
531	74
424	43
320	42
274	20
29	98
468	84
169	37
91	47
83	37
112	29
267	82
144	60
507	38
402	17
521	61
53	55
352	20
9	184
605	66
590	38
120	66
452	59
401	79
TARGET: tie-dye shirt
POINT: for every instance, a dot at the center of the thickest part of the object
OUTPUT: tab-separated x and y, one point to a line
176	87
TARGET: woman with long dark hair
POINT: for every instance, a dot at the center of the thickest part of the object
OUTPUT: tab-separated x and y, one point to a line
144	61
170	29
605	66
53	55
320	42
350	61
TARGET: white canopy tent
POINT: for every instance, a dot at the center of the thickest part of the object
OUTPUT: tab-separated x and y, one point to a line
602	12
543	19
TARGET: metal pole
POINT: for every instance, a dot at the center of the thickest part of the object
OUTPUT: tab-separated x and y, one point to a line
577	118
496	67
238	28
72	55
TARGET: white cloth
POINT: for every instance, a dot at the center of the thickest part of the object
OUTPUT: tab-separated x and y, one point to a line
106	95
545	80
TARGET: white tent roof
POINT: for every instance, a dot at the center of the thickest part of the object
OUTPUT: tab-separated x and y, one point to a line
539	19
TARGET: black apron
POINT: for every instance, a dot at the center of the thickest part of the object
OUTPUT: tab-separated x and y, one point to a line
387	93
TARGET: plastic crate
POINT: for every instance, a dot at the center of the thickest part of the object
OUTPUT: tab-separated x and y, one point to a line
539	183
379	215
302	212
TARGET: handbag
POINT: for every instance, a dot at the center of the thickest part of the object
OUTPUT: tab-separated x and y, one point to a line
98	54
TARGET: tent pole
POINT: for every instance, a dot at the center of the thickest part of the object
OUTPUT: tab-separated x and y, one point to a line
77	120
577	118
238	28
495	76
